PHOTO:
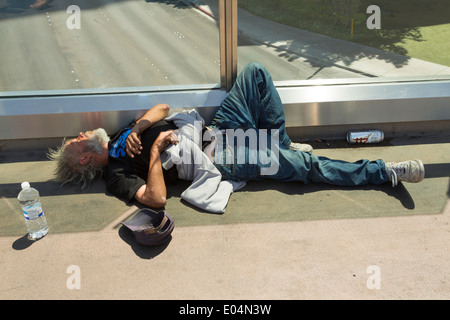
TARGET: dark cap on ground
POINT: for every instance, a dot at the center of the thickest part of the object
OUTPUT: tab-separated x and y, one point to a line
150	228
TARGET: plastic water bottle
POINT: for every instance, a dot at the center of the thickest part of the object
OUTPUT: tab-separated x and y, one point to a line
32	210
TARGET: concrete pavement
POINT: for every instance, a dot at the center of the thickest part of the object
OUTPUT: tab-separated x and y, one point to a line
275	241
331	259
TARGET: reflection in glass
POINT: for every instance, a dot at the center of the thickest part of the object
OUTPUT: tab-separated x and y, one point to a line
105	44
330	39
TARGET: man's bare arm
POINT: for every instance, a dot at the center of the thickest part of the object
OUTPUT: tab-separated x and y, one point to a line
153	115
154	193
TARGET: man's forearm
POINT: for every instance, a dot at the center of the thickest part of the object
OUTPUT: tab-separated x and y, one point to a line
154	193
155	114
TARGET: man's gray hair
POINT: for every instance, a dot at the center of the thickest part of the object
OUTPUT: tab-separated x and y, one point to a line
68	168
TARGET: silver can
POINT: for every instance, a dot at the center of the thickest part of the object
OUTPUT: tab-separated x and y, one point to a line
369	136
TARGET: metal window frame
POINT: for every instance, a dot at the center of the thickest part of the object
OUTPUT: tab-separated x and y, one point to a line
228	42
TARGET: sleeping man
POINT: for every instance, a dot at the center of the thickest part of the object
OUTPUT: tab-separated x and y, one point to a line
246	140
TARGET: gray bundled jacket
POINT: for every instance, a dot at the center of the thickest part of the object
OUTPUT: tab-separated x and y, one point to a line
207	190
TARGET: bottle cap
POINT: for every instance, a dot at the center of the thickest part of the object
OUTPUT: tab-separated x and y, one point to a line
25	185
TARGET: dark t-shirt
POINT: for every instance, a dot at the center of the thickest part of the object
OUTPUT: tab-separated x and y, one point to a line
125	175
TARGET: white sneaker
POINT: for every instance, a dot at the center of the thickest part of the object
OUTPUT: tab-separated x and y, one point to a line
300	147
408	171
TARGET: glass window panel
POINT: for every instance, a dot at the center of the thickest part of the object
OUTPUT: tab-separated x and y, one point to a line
335	39
89	44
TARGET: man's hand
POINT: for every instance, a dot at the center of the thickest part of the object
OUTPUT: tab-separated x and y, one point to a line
155	114
133	143
164	139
